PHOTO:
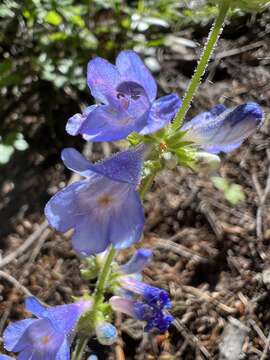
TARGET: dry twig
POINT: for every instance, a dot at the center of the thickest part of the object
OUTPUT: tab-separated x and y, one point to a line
191	338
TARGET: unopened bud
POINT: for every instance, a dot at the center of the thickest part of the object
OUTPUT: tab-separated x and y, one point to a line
106	333
170	160
207	162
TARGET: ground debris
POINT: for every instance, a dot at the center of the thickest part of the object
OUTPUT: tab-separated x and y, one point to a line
232	340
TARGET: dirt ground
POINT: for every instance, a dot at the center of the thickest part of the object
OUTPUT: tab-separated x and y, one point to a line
213	259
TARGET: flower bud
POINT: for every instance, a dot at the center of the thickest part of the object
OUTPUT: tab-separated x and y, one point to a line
106	333
207	162
170	160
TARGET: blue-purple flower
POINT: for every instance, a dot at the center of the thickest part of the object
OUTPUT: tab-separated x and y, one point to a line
127	95
154	317
151	294
222	129
49	335
138	299
137	262
104	208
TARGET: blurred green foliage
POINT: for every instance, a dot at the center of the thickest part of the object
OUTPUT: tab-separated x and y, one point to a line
233	193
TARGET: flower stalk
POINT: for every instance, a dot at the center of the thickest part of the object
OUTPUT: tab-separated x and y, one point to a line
202	64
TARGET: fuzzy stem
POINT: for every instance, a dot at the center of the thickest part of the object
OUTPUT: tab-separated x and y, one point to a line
80	348
146	184
98	298
103	277
202	64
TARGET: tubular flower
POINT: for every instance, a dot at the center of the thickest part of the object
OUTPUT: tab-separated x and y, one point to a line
47	337
138	261
222	129
127	92
104	208
156	297
154	317
138	299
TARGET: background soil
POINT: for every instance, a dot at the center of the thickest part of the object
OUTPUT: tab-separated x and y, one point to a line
214	259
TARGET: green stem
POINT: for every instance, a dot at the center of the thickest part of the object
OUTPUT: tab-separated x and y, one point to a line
202	64
98	298
102	280
80	348
146	185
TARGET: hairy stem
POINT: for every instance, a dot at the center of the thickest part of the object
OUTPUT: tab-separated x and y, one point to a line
103	277
98	298
146	184
80	348
202	64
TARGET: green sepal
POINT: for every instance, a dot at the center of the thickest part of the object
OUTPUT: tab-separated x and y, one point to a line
90	319
150	167
135	138
186	157
91	268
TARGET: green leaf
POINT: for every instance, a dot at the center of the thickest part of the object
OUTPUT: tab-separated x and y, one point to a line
135	138
53	18
77	20
235	194
220	183
11	79
5	66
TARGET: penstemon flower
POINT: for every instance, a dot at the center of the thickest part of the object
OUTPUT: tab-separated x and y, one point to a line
222	129
6	357
128	93
48	336
105	208
138	299
156	297
155	318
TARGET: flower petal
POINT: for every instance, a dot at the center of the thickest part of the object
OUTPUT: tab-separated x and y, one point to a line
61	210
126	224
34	306
162	112
76	162
65	317
5	357
26	354
226	131
91	235
14	332
64	351
108	123
76	121
218	109
124	166
138	261
102	79
132	68
203	117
